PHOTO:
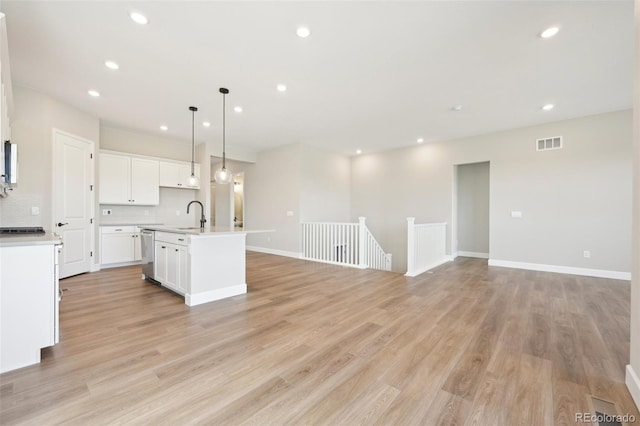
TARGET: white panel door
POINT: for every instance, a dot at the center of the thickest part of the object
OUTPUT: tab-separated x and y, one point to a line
73	201
145	182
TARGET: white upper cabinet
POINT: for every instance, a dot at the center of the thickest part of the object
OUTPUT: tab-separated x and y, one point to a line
145	183
128	180
176	175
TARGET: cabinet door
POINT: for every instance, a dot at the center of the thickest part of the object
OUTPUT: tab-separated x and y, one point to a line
173	266
137	247
145	182
117	248
115	179
183	272
170	174
160	264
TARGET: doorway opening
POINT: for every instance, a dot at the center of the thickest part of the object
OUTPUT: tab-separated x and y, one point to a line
471	210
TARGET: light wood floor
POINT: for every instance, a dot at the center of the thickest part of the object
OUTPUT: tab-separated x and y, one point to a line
320	344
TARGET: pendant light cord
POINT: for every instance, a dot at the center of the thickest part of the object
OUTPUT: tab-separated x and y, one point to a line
193	146
224	131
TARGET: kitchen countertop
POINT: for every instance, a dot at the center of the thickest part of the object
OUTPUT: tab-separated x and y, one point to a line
207	231
13	240
131	224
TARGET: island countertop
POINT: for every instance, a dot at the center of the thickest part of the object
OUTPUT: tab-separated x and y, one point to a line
209	231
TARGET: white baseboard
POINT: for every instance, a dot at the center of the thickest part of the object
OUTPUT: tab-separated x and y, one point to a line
599	273
633	383
276	252
417	272
95	267
473	254
118	265
217	294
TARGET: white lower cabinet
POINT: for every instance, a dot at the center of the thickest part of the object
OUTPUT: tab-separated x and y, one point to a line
29	298
172	261
119	244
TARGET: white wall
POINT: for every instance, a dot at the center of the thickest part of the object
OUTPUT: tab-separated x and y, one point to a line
35	117
574	199
634	383
473	208
272	189
325	192
311	183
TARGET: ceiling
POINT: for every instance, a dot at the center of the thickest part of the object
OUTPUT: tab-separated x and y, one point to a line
371	76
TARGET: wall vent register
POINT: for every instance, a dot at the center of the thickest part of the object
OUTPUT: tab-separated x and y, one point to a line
545	144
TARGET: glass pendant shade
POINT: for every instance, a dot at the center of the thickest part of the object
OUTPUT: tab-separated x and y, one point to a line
223	175
193	180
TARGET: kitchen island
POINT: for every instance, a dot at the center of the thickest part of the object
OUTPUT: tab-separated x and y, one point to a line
202	264
29	297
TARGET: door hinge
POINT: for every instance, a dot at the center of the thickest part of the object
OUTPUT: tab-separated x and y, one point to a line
90	254
91	187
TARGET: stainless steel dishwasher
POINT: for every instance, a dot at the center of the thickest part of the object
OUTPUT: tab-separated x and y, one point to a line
148	242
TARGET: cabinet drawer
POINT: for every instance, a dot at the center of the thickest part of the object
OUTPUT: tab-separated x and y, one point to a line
170	237
117	229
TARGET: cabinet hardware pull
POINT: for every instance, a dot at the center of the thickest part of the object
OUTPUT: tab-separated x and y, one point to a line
164	247
118	230
176	249
180	239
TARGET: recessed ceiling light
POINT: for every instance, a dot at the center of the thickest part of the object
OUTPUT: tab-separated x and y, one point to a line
549	32
281	88
548	107
237	109
303	32
359	151
420	140
206	124
164	128
457	108
111	65
139	18
94	93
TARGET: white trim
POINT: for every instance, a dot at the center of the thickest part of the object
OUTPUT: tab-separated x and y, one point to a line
217	294
433	265
330	262
95	267
454	255
118	265
599	273
276	252
633	383
472	254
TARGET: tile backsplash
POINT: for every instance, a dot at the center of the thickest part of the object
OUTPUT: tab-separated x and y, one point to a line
16	210
171	211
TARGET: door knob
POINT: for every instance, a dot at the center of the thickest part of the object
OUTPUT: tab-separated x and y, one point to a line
62	224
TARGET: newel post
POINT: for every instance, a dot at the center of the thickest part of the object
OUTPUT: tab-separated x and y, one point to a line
362	255
411	245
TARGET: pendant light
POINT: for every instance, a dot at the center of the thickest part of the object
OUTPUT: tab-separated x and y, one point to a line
223	175
193	179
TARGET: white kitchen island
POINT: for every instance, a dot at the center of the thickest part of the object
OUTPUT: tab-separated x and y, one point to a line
29	298
203	265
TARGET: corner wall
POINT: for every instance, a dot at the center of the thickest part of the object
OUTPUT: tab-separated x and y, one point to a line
574	199
633	369
35	117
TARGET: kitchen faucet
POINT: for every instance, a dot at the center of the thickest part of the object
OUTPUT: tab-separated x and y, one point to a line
202	218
